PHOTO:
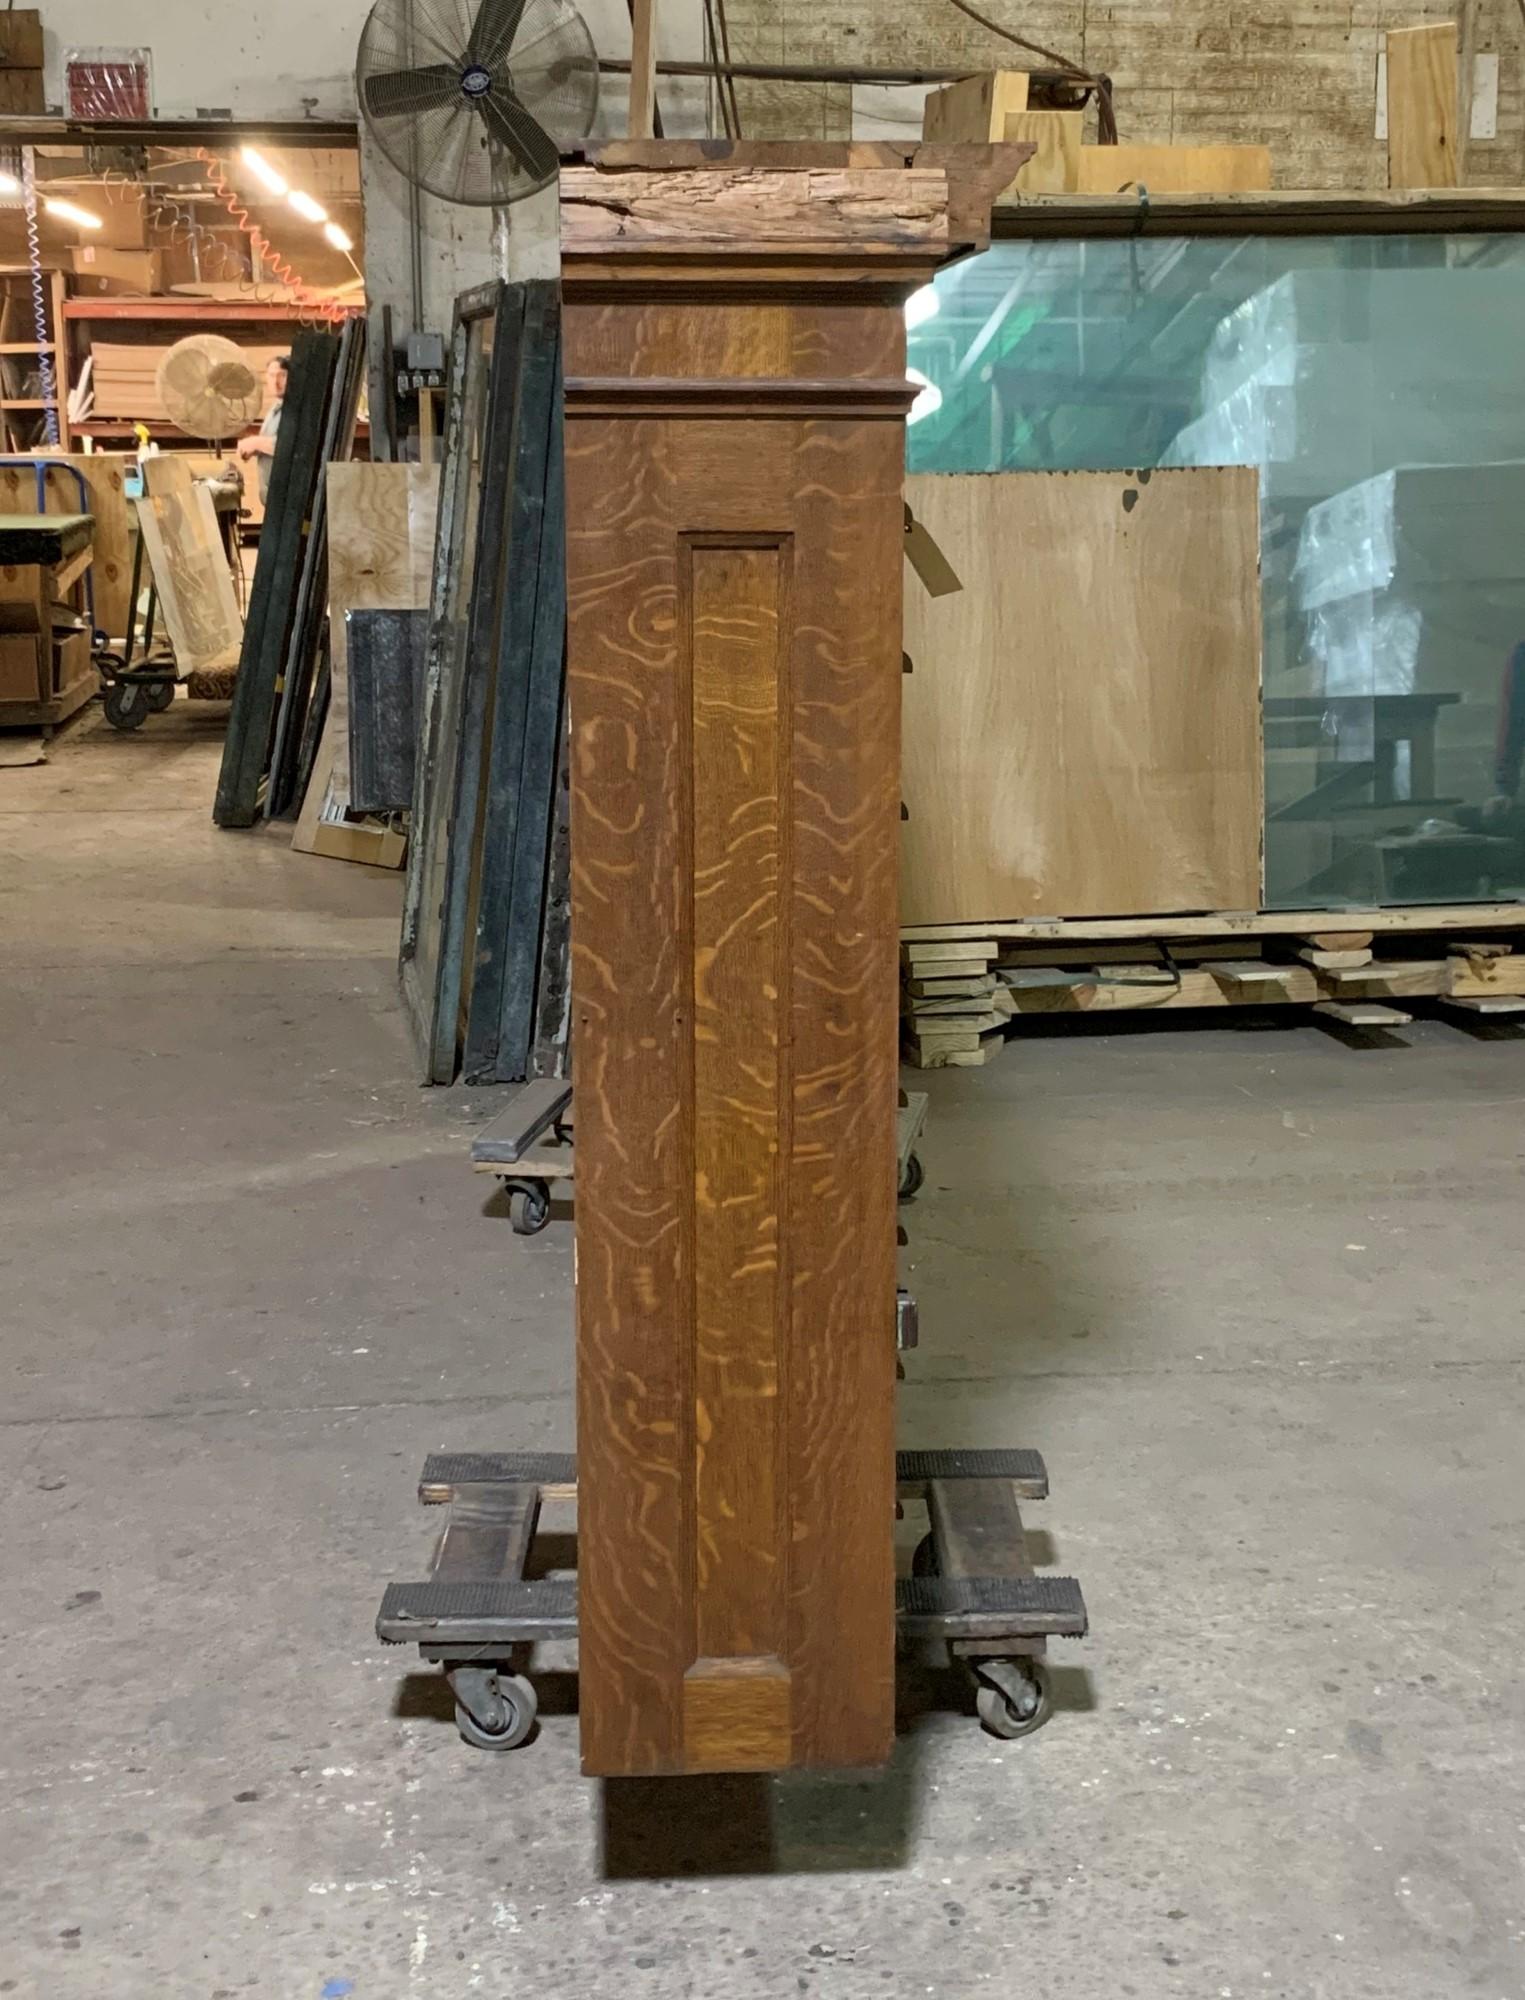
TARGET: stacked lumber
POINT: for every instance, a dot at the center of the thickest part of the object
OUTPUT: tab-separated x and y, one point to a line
958	993
952	1007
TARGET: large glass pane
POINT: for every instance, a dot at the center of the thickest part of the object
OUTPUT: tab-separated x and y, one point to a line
1376	383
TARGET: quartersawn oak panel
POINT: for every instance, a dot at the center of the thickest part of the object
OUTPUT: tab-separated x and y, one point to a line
736	389
733	663
1082	724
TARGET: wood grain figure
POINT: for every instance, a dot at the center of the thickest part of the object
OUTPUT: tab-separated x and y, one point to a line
1423	128
735	523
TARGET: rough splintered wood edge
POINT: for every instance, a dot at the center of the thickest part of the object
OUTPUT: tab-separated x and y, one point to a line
733	198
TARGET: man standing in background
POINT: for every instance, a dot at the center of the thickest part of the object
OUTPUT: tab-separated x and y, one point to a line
261	444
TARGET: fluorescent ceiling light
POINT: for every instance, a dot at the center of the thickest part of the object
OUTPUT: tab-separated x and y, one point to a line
67	212
262	171
922	305
306	207
340	238
930	399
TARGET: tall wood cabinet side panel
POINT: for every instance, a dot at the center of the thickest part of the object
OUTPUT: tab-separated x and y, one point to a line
734	656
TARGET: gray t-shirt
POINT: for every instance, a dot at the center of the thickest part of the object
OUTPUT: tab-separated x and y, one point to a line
268	429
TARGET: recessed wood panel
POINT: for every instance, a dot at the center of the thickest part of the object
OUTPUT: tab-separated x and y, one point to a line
733	609
733	660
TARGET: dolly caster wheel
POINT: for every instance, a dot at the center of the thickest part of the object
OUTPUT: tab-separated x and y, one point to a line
924	1557
911	1180
1012	1696
506	1705
529	1206
160	695
126	704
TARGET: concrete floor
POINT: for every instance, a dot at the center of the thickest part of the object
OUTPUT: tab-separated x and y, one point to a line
1256	1295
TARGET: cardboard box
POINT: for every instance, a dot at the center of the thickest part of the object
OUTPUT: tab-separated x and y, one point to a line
102	272
21	39
21	92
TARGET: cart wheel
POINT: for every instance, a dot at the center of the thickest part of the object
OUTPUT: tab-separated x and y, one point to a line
160	695
1012	1696
529	1206
924	1557
912	1178
126	704
517	1696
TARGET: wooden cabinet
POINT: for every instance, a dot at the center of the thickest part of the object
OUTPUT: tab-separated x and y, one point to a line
736	389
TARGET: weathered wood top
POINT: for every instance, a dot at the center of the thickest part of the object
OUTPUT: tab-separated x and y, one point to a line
738	202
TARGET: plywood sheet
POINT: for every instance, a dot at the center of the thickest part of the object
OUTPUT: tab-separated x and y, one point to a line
1055	167
1422	125
1174	169
380	558
190	568
1082	724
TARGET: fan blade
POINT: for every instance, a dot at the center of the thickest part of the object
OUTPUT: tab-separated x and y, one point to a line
493	31
511	125
403	93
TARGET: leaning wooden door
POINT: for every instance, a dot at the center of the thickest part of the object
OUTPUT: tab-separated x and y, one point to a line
735	527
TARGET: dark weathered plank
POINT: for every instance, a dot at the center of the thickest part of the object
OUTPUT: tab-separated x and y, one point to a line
310	618
272	596
385	652
444	670
550	1055
540	761
458	679
516	793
